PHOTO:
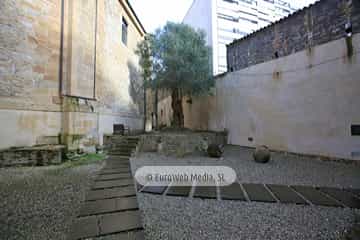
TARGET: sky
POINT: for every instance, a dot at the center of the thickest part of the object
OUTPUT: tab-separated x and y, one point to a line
155	13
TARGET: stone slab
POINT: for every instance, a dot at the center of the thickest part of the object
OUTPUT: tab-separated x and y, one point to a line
258	193
315	196
120	222
117	165
115	171
285	194
84	228
355	192
108	206
345	197
154	189
129	203
205	192
110	193
180	191
117	158
232	192
133	235
97	207
113	183
121	154
113	176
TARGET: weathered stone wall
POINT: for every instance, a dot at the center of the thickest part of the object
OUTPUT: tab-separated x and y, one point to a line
179	144
321	23
302	103
80	97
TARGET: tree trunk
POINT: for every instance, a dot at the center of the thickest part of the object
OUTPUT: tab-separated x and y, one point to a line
156	108
176	104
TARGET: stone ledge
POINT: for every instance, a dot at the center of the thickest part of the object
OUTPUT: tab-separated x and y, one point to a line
41	155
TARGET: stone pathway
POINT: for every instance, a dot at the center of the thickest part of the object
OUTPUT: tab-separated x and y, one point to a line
110	209
304	195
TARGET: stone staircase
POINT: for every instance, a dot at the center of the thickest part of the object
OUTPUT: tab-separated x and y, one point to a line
122	145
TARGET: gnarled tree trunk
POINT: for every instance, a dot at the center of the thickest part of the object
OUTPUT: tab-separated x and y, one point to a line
176	104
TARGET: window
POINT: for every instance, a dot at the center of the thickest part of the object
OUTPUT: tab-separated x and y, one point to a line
124	31
355	130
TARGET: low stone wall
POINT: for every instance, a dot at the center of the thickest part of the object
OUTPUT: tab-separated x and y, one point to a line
31	156
179	144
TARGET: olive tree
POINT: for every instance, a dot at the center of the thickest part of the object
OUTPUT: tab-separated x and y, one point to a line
180	63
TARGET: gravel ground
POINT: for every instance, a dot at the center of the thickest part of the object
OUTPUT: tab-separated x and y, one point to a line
287	170
186	218
41	203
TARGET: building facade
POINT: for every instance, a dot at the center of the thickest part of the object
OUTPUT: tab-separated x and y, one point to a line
68	71
227	20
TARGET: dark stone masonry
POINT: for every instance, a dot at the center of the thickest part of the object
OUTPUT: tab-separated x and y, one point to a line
325	21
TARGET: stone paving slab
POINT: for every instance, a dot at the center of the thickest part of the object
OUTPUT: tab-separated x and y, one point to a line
84	228
232	192
285	194
120	222
139	235
117	165
110	210
154	189
316	197
345	197
181	191
355	192
205	192
110	157
113	183
113	176
115	171
108	206
258	193
97	207
121	154
111	193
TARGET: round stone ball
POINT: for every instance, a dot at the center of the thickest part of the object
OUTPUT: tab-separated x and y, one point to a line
215	150
262	154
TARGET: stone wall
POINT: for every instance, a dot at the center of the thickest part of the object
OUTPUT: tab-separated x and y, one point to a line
302	103
321	23
65	72
180	144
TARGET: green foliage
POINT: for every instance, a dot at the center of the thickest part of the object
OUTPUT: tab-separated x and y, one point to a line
86	159
144	51
183	59
176	57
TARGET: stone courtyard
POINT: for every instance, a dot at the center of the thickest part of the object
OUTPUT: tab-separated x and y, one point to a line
261	95
168	213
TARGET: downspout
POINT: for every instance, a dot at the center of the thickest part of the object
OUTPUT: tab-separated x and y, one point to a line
95	48
61	68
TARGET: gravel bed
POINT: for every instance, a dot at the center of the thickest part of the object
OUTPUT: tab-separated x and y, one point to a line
41	203
187	218
282	169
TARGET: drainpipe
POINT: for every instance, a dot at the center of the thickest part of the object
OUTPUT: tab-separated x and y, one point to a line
61	58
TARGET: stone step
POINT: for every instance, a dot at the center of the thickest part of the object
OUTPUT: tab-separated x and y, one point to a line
123	145
122	149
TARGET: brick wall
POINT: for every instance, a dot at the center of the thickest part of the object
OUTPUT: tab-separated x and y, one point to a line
318	24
